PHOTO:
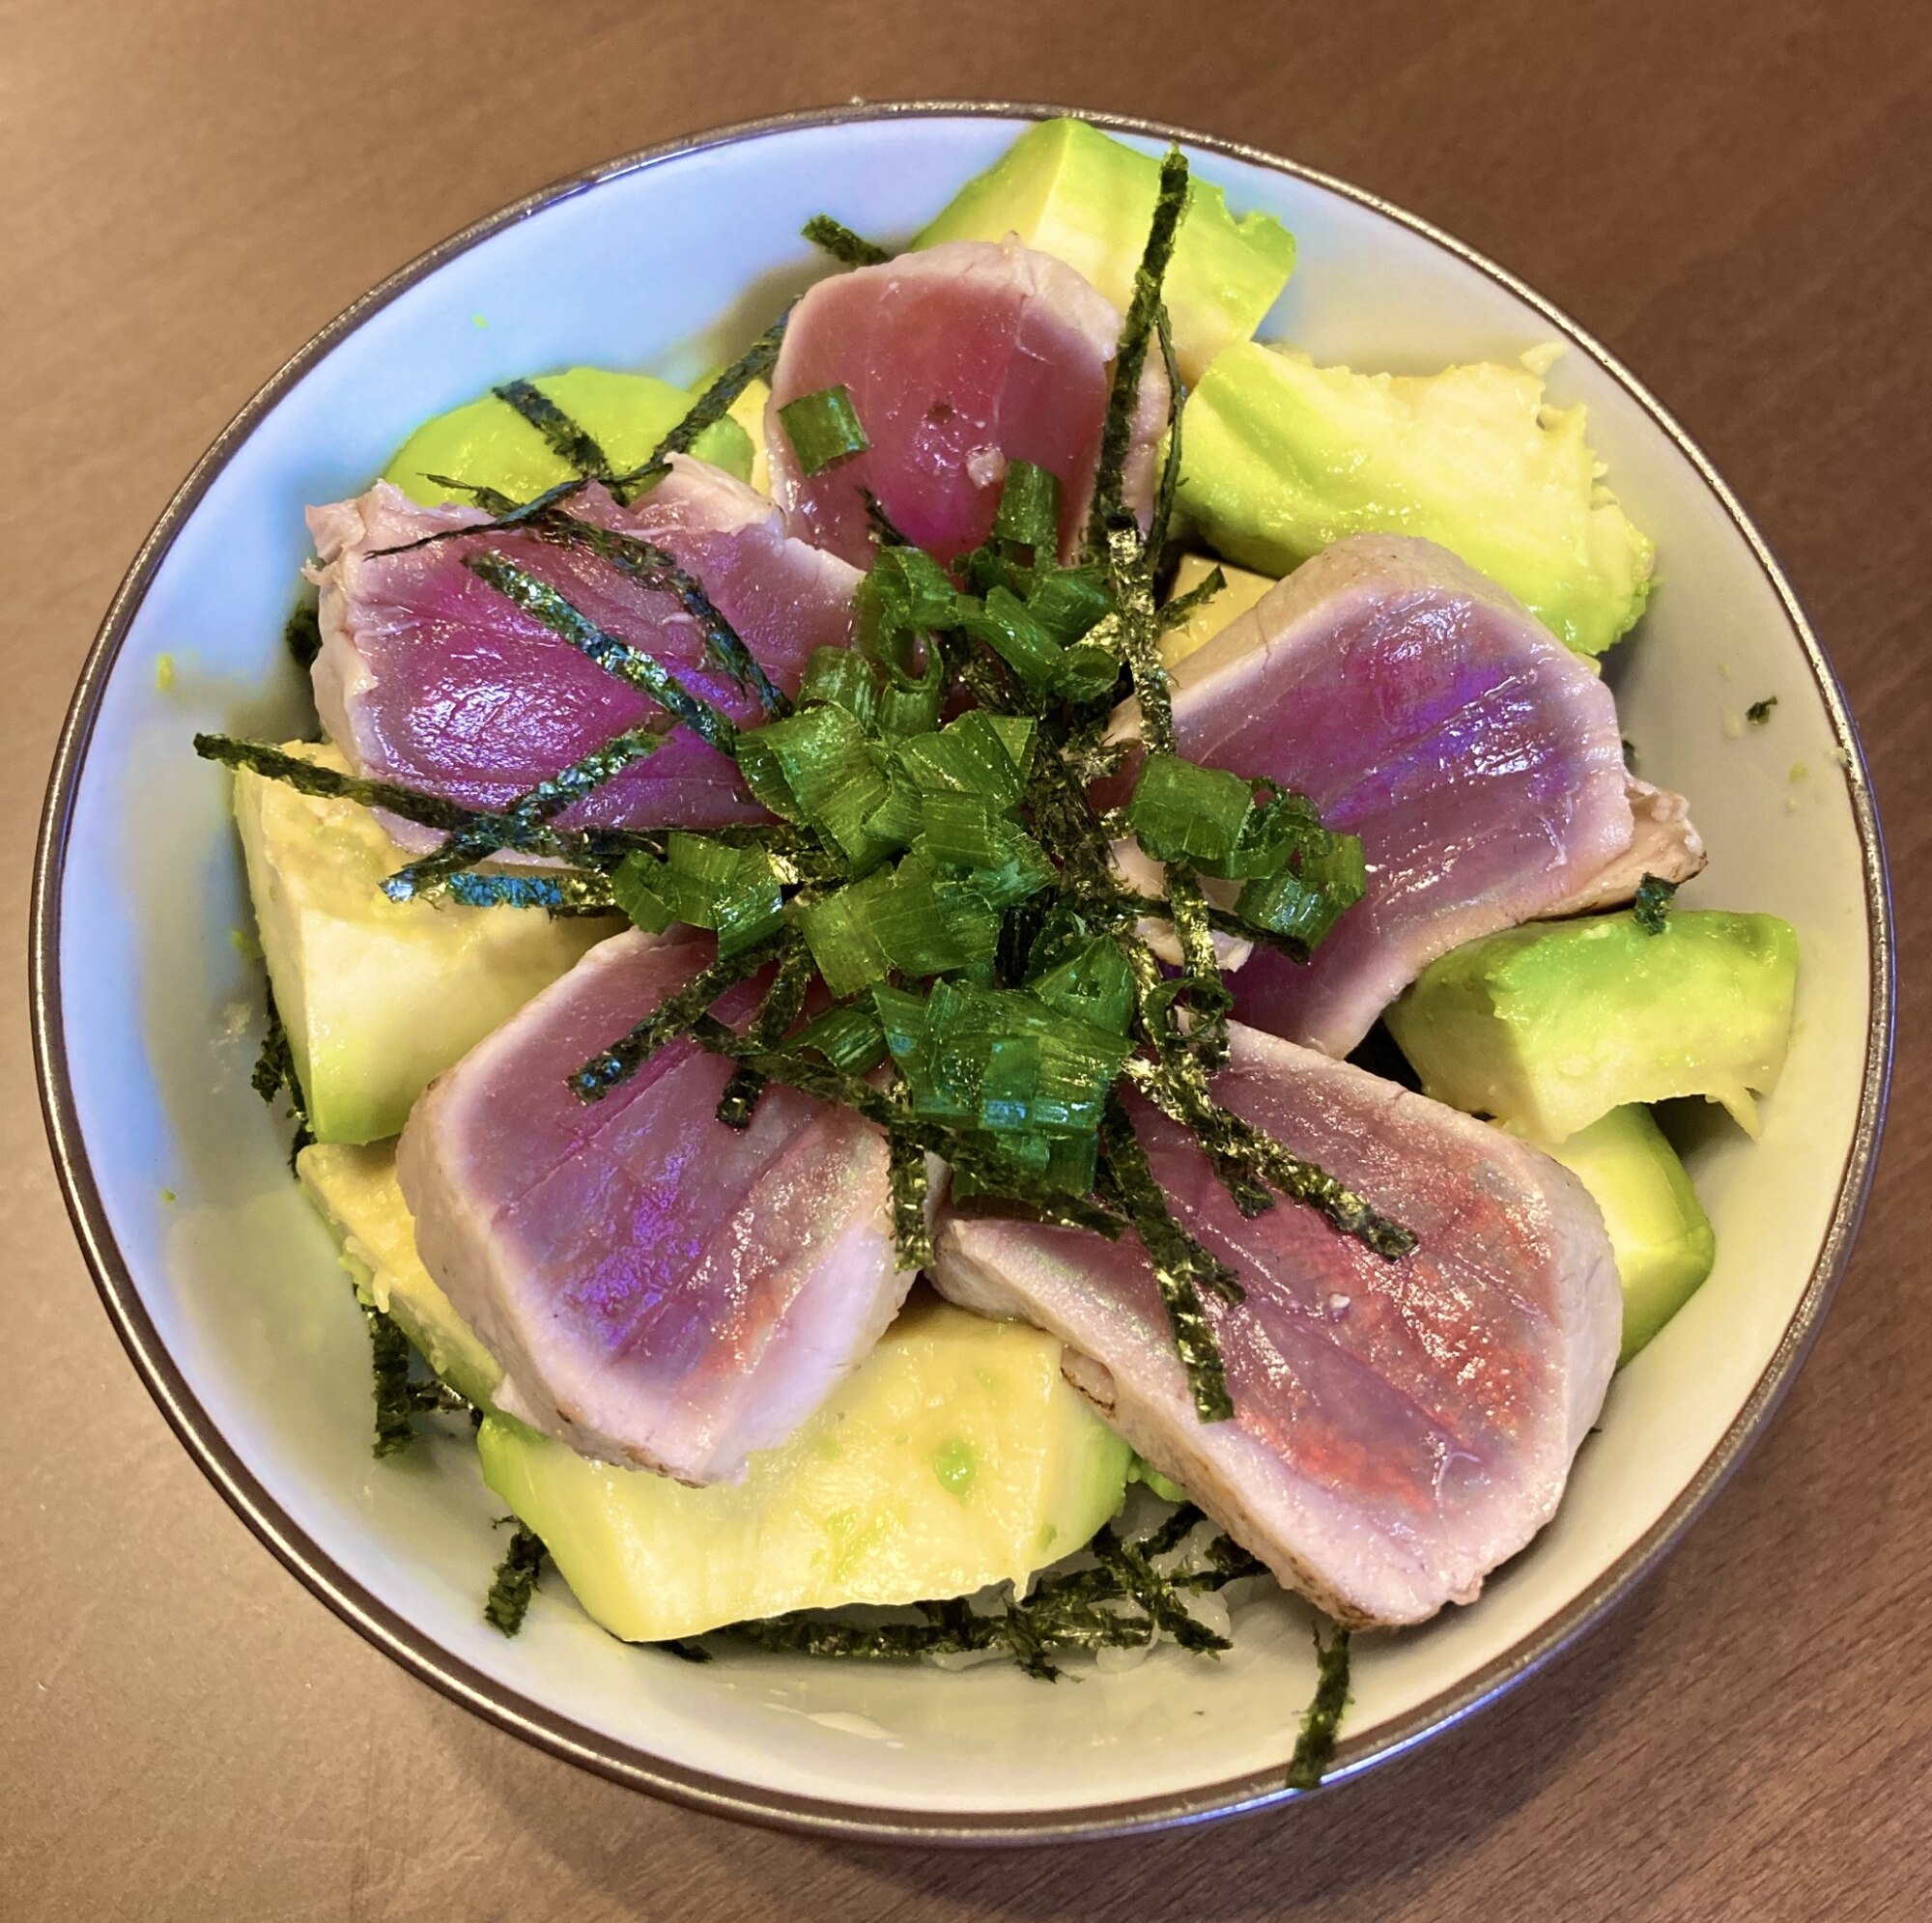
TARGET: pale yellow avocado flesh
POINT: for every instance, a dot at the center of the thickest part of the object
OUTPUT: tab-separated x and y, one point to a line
378	997
955	1457
1658	1233
1069	191
1550	1026
1280	458
1243	590
354	1188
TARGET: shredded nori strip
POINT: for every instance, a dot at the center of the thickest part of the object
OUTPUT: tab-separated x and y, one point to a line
674	1016
1759	712
911	1237
883	530
835	238
394	1393
1321	1723
519	823
1179	611
1170	469
302	633
1121	1601
641	671
772	1022
656	568
1177	1260
1109	478
578	893
568	439
1154	1595
515	1579
710	408
274	1074
1652	906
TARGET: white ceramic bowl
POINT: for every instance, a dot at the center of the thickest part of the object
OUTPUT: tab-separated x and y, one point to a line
224	1286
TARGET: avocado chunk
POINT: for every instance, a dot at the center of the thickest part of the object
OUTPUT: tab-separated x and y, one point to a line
1243	590
955	1457
1074	192
488	443
1659	1231
1550	1026
356	1191
1280	458
378	996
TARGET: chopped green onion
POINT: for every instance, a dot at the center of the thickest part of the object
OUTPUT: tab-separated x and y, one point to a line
1029	511
816	767
849	1037
844	678
1182	812
839	930
823	428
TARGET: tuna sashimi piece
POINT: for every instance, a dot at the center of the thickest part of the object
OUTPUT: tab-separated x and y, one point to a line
662	1291
429	677
1422	708
1399	1429
958	358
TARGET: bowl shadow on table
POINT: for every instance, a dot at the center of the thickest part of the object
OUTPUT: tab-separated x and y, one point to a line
1411	1817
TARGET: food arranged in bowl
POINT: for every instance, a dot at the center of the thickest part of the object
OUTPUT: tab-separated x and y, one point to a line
1000	979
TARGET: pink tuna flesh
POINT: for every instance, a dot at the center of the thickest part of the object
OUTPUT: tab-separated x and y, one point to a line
1421	708
429	677
662	1291
1400	1429
958	358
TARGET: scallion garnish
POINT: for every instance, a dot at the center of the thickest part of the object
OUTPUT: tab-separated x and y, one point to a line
824	429
951	884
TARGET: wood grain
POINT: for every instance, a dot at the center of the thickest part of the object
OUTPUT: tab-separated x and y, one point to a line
1733	197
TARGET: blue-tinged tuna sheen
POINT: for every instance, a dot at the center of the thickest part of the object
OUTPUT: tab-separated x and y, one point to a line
1421	708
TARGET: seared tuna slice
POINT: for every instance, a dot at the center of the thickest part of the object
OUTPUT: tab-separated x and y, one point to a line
1423	709
429	677
1400	1429
661	1291
958	358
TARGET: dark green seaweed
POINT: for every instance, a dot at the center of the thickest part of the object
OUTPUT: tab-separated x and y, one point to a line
1321	1723
835	238
1652	906
568	439
516	1580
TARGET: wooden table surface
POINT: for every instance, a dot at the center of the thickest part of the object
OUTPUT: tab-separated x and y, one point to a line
1733	196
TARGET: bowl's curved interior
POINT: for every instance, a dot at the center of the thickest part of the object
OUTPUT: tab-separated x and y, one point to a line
157	1009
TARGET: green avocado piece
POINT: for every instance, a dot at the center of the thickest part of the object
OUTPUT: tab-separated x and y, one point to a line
1550	1026
1280	457
378	996
354	1188
1072	191
955	1456
1658	1233
490	445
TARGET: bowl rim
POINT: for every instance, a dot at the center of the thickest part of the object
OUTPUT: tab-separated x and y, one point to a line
609	1756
